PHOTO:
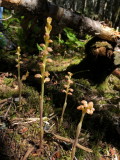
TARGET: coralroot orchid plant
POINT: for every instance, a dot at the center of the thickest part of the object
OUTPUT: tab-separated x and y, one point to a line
86	108
19	62
44	76
67	91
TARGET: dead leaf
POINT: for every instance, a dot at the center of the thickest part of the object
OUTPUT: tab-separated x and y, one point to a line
23	130
56	155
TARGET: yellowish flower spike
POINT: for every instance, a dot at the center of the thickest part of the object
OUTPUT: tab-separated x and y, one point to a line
48	27
18	50
49	60
49	20
44	74
71	90
46	80
69	73
49	49
86	107
84	102
67	91
38	76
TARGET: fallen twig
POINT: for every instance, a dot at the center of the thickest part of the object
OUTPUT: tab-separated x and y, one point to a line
55	136
28	153
5	100
26	121
3	104
7	111
5	19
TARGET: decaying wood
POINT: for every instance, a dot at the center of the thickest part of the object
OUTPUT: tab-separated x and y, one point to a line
63	17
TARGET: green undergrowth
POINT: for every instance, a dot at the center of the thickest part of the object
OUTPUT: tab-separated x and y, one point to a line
12	27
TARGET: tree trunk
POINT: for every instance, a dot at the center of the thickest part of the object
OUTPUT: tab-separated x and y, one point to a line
63	17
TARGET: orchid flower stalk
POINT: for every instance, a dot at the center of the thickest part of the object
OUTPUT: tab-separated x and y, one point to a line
24	77
68	91
18	60
44	76
86	108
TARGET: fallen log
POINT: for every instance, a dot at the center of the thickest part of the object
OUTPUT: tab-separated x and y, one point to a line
64	17
108	59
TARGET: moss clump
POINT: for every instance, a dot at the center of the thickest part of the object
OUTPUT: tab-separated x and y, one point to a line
8	81
103	44
60	64
2	40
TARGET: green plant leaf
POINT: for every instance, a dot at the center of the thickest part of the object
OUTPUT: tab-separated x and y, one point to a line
39	48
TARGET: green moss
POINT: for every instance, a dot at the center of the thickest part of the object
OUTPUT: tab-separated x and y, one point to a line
102	44
32	97
6	92
17	137
2	40
48	109
107	87
8	81
60	64
97	151
80	154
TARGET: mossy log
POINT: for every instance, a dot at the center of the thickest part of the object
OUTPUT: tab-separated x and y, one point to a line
101	57
100	61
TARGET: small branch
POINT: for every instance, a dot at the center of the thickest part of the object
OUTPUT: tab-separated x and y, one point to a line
28	153
3	104
101	105
71	141
5	19
5	100
7	111
27	120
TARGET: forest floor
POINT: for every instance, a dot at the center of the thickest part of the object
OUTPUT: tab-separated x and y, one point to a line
19	125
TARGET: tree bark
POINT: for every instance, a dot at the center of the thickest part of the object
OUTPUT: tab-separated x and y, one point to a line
63	17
